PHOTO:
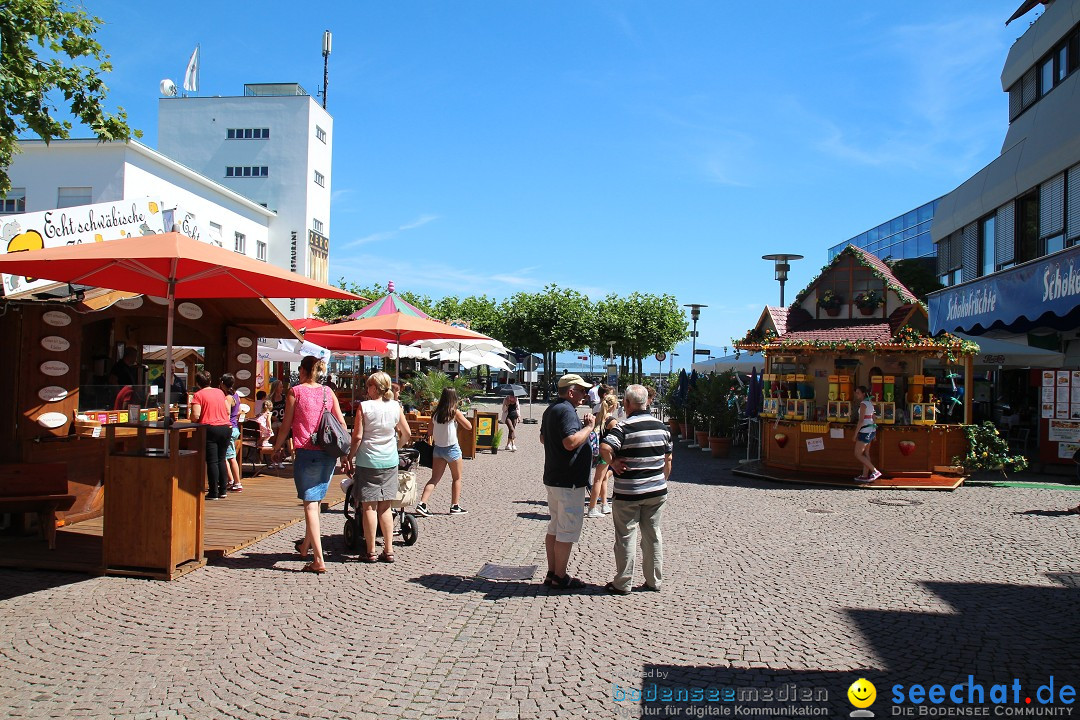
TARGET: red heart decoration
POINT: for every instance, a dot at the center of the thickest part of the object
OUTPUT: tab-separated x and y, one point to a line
781	439
907	447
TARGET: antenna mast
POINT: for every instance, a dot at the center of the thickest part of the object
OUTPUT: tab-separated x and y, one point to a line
326	38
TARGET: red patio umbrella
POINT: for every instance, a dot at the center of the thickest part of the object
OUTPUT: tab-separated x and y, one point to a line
396	327
171	266
341	343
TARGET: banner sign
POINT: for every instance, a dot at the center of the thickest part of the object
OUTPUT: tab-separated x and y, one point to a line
72	226
1013	299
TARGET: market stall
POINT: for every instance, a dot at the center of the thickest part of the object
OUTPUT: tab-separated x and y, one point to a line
857	325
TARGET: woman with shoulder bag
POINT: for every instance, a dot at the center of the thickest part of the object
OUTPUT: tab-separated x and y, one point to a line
379	430
313	468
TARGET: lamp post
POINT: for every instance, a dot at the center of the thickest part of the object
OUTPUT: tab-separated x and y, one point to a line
695	313
781	264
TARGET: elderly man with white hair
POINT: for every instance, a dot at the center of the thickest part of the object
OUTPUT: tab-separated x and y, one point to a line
639	452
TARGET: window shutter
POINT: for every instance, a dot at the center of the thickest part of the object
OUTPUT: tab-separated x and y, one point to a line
970	267
956	250
1030	87
1015	101
943	255
1052	206
1074	202
1004	227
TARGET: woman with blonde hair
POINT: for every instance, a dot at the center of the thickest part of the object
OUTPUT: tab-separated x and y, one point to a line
444	424
605	420
313	468
380	429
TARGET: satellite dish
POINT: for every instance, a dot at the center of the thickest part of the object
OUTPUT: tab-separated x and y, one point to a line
168	88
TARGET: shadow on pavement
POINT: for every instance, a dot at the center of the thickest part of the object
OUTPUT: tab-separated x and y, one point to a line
1046	513
534	516
496	589
17	582
531	502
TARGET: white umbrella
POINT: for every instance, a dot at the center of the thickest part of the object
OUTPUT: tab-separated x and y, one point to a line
286	350
490	345
471	359
406	351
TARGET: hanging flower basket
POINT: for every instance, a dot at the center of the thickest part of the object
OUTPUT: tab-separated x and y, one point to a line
868	302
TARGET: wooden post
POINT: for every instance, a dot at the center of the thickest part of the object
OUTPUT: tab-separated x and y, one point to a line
969	371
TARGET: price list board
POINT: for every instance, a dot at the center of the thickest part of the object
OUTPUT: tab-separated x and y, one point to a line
1060	412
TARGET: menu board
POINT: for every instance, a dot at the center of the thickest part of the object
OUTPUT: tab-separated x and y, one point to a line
1060	398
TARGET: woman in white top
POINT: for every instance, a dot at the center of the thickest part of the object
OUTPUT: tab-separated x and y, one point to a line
379	429
444	426
864	435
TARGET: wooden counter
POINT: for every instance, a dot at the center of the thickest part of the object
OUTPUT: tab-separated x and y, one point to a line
153	522
898	450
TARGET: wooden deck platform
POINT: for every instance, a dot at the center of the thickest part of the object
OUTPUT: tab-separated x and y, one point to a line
927	481
267	505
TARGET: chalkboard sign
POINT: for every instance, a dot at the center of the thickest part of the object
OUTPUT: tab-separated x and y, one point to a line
484	426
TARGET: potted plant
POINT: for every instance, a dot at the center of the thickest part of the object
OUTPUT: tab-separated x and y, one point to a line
830	302
988	451
496	439
723	412
674	405
695	409
868	301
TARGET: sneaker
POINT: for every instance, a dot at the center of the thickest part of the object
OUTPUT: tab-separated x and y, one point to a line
596	512
211	497
236	488
862	479
606	508
458	510
874	476
422	509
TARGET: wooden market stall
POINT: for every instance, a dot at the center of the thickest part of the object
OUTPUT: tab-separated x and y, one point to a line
62	409
856	324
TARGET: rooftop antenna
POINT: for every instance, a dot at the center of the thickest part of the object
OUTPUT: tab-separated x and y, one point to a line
326	39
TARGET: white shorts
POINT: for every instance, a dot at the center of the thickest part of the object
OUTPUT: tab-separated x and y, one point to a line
567	508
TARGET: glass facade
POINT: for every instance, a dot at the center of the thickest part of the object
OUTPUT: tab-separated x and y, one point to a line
905	236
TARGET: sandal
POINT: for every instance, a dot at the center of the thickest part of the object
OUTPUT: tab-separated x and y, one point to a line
312	568
369	558
566	582
299	544
386	558
610	587
549	579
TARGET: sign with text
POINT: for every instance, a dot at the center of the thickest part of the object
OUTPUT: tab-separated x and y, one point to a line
73	226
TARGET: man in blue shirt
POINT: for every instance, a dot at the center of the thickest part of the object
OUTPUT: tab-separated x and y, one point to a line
567	466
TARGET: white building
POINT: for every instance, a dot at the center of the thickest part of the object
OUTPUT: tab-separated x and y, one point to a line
68	173
273	145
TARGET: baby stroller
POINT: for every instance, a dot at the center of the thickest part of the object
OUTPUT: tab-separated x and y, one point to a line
405	525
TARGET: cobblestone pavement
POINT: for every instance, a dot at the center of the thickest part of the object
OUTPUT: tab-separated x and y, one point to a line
767	587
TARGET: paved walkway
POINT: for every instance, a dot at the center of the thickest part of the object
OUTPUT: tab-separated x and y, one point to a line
767	587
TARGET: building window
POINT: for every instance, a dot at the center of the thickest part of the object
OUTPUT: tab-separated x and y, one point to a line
72	196
317	225
215	233
247	171
1027	228
1046	74
319	179
987	239
320	134
260	250
14	201
241	243
247	133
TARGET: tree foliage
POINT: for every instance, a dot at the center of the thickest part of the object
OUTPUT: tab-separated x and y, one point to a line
639	325
481	312
919	275
549	322
44	44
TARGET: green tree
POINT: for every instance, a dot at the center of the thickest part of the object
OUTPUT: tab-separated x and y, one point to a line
29	83
549	322
919	275
639	325
481	312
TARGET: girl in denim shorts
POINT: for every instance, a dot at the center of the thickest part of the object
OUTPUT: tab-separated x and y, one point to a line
444	424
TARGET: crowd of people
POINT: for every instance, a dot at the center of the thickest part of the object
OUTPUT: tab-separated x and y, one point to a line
613	448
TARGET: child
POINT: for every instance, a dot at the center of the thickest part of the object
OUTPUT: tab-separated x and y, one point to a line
266	430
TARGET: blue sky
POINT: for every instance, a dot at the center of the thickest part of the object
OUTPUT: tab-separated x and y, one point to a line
491	147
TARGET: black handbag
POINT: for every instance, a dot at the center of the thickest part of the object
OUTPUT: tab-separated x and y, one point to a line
427	452
331	436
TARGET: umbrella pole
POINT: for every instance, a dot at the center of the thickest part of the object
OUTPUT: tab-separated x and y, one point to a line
397	361
167	419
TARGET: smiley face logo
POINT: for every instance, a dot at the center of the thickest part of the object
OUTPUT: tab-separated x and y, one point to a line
862	693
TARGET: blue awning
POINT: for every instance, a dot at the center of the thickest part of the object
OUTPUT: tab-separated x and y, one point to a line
1042	293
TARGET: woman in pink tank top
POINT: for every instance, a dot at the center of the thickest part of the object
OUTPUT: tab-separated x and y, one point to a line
313	468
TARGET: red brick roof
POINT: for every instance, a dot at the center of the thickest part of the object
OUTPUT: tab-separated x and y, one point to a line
882	269
830	331
779	317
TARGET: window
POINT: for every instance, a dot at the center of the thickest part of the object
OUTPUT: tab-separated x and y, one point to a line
320	134
241	243
317	225
14	201
260	250
1046	77
71	196
247	171
987	262
215	233
247	133
319	179
1027	227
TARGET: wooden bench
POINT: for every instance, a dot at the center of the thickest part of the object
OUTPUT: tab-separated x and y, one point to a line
40	488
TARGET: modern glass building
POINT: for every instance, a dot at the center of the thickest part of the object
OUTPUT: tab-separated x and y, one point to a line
904	237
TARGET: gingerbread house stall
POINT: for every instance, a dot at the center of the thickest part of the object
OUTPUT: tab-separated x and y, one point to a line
857	325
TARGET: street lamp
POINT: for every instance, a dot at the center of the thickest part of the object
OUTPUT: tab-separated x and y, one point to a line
695	313
781	263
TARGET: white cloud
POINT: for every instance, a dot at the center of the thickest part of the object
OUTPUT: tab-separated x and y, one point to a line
384	235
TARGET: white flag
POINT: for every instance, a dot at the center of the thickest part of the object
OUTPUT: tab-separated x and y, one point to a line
191	75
